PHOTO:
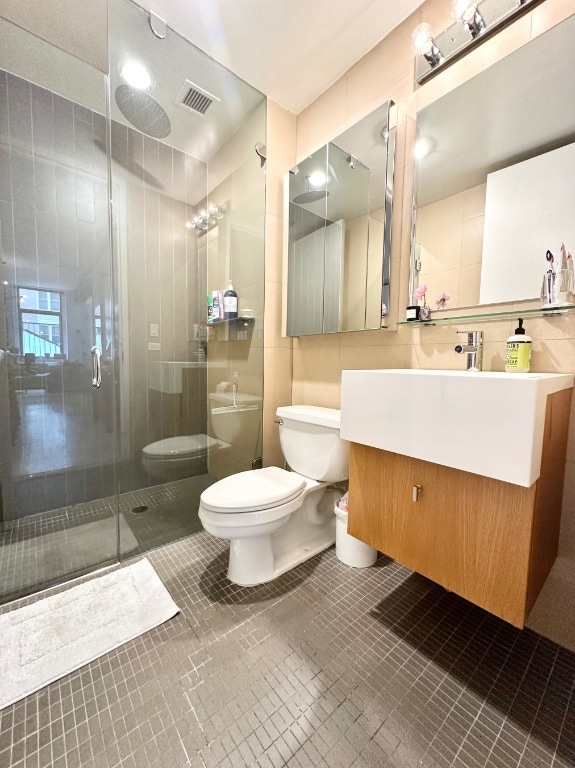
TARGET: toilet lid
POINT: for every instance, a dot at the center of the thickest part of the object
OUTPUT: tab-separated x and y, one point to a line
180	447
253	490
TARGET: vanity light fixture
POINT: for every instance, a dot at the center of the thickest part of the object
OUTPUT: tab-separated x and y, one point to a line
206	218
467	12
423	44
474	22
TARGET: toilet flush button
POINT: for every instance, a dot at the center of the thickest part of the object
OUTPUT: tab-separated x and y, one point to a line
154	346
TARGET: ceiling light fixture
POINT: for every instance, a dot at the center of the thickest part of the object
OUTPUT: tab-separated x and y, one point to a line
423	147
317	179
135	74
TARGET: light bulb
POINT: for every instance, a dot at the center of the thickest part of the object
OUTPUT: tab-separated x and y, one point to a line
317	179
462	9
423	146
422	39
136	75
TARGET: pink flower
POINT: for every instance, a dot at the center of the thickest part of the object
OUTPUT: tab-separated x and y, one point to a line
442	299
420	292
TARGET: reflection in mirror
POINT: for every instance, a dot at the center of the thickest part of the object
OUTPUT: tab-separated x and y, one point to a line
338	244
492	190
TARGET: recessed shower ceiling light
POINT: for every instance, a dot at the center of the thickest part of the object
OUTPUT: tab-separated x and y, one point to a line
423	147
136	75
317	179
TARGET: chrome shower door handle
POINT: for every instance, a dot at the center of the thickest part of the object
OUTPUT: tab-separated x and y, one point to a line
96	368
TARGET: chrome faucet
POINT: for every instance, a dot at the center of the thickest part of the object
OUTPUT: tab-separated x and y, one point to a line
473	349
235	377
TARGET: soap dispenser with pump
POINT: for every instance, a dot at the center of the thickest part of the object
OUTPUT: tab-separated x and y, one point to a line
518	351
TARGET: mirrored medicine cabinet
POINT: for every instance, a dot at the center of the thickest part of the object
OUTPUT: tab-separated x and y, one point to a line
493	185
339	238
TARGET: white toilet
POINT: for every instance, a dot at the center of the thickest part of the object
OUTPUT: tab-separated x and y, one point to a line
277	519
176	458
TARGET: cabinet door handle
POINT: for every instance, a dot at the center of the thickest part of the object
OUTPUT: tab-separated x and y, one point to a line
415	491
96	368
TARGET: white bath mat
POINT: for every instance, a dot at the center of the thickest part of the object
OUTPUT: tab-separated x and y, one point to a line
43	641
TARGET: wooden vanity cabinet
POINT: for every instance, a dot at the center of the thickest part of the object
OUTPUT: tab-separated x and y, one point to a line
491	542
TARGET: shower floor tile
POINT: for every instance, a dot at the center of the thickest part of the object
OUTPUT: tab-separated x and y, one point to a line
43	549
327	666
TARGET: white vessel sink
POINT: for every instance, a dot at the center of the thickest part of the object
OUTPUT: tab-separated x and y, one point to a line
487	423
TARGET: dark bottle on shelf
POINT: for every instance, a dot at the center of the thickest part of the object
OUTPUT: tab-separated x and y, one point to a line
230	303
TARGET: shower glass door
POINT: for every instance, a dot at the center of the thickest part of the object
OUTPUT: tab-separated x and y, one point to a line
58	511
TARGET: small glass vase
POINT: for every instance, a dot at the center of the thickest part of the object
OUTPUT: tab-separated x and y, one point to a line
425	313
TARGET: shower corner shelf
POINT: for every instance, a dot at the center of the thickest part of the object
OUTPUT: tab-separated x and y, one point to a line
238	329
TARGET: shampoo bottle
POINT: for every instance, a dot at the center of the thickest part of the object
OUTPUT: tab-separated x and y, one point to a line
230	303
518	352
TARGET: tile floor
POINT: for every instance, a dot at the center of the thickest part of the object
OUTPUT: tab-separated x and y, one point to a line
42	549
327	667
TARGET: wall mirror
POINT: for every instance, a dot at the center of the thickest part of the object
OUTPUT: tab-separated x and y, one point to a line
493	187
339	238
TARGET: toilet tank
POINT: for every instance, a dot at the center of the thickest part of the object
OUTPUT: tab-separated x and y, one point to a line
236	423
311	444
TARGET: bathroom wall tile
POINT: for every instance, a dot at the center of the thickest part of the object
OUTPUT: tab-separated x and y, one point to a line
317	376
374	78
439	229
375	338
272	452
474	201
472	240
281	129
274	249
277	381
550	13
375	356
555	356
322	120
468	285
273	318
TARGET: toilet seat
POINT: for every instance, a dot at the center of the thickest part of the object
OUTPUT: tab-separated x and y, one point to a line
253	491
184	446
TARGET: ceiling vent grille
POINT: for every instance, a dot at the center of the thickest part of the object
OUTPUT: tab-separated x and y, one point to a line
195	98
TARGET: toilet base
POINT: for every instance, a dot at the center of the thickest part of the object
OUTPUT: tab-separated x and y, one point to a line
243	572
310	530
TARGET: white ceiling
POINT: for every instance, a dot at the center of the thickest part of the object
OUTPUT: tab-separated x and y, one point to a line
290	50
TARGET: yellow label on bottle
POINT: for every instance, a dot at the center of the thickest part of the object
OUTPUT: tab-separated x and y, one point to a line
518	357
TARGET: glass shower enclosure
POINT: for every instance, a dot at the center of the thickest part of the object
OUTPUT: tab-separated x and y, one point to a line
108	368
